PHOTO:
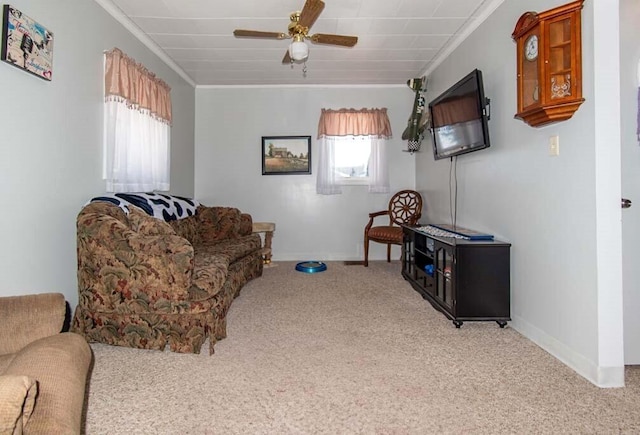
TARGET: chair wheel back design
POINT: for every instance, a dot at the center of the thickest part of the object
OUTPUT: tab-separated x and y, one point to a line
405	207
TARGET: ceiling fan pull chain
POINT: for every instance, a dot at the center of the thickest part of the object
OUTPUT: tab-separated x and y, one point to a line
304	70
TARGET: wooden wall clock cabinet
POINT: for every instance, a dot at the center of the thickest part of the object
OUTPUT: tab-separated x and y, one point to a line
549	56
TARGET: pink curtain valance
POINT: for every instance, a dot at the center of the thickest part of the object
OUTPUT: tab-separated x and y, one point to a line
128	81
352	122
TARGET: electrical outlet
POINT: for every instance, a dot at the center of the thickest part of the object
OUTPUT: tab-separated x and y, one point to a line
554	145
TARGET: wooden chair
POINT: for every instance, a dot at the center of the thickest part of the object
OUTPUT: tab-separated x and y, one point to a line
405	207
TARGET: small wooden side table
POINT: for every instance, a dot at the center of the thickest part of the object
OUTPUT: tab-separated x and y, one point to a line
267	228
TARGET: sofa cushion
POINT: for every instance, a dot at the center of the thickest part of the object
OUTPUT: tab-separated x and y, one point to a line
187	228
218	223
17	400
232	249
146	225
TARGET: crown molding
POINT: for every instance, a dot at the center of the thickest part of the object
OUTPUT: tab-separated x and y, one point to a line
361	86
117	13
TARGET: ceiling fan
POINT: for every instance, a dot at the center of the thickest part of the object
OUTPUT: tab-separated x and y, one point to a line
298	31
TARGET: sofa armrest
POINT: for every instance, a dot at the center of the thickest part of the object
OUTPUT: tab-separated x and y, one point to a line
17	400
246	224
151	270
60	364
120	270
27	318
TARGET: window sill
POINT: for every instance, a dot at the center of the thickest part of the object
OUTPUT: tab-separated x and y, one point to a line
353	181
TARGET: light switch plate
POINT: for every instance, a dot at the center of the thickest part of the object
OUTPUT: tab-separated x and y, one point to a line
554	145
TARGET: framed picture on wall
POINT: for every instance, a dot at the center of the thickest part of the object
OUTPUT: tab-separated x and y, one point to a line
286	155
26	43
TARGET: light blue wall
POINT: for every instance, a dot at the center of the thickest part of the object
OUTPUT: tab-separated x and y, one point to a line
545	206
229	125
51	144
51	158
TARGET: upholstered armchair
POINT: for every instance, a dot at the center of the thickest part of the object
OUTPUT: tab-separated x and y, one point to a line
43	372
405	207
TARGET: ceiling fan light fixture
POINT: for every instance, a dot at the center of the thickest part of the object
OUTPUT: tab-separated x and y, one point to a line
298	50
298	32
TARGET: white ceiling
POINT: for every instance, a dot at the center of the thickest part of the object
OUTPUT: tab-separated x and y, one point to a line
397	39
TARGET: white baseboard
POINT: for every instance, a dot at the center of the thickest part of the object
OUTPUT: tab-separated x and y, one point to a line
603	377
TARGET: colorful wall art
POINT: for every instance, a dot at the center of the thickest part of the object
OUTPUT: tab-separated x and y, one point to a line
26	43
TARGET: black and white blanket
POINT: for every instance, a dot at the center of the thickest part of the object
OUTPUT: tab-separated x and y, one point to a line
158	205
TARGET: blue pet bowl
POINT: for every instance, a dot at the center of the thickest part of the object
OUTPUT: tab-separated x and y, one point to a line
311	266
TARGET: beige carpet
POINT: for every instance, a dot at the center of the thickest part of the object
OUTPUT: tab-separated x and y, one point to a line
350	350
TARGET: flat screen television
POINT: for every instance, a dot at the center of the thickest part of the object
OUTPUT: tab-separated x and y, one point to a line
459	121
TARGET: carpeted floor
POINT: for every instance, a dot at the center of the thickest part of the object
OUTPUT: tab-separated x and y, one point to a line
350	350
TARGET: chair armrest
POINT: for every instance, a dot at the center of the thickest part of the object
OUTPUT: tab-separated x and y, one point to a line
372	216
27	318
378	213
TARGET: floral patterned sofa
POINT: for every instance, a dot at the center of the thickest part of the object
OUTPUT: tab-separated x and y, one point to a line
144	282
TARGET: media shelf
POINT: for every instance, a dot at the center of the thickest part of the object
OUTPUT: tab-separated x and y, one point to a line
467	280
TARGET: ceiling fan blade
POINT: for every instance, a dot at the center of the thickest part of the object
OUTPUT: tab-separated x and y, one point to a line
310	12
259	34
323	38
286	58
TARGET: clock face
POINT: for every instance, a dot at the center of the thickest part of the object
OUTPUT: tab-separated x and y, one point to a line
531	47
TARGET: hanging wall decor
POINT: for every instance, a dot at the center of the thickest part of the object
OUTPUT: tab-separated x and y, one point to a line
414	133
26	43
549	64
286	155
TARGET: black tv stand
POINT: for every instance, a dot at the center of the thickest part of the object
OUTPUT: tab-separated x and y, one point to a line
466	280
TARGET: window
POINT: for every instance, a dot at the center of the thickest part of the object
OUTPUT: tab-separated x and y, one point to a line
137	127
351	162
352	150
